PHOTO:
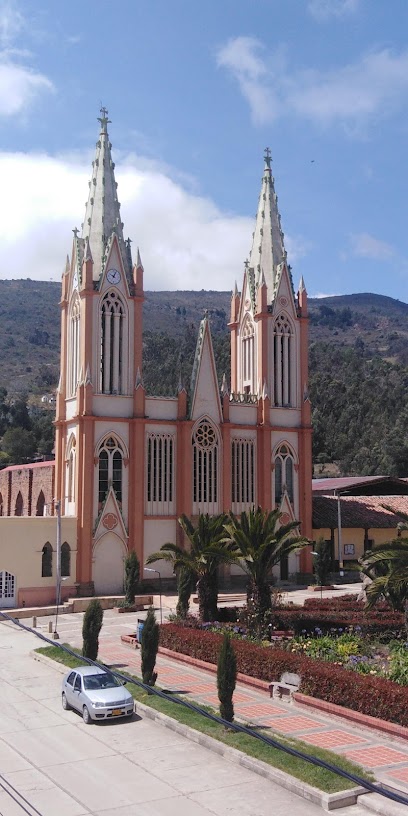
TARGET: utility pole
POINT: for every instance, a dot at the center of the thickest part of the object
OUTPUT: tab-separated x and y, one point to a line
58	577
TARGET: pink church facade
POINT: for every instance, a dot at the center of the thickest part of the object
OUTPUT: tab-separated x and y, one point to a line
128	464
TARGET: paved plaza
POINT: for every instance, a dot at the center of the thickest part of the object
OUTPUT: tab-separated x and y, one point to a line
64	768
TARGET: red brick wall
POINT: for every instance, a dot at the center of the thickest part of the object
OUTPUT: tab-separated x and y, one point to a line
29	480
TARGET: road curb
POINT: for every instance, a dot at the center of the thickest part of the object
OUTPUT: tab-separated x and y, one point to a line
328	801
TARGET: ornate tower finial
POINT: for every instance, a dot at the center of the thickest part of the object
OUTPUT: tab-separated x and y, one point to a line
268	157
103	119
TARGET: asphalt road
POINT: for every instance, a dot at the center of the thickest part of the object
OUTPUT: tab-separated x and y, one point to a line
64	768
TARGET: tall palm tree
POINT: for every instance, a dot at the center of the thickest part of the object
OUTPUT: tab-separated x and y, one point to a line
387	566
208	549
260	543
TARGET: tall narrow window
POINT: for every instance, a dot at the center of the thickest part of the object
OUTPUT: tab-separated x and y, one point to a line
283	474
46	561
243	475
205	469
283	350
19	506
74	347
160	474
110	468
112	344
65	560
248	356
40	507
1	504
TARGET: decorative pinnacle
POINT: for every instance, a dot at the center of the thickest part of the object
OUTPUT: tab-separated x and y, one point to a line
268	157
103	119
76	232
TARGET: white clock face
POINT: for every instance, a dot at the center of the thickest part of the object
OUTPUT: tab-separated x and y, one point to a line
113	276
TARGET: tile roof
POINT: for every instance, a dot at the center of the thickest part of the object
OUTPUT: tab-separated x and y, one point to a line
366	512
29	466
343	482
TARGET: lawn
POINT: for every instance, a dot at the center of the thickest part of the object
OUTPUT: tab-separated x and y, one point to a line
321	778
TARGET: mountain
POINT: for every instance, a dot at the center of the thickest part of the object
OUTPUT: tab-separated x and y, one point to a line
358	362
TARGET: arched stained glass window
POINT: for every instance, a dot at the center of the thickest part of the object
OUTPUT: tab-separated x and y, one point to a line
46	561
110	468
283	473
205	468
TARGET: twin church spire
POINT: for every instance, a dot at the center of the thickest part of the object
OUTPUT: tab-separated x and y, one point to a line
268	250
102	214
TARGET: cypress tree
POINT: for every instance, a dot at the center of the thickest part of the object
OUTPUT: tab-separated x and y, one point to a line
132	575
91	627
150	645
226	678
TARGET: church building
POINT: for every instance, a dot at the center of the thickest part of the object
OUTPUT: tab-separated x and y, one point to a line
127	463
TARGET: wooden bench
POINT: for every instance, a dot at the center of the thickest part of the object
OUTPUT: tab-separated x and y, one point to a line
288	683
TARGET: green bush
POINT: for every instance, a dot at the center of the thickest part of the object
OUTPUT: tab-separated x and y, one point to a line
91	626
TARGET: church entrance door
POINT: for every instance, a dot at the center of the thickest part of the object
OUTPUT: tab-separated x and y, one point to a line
108	565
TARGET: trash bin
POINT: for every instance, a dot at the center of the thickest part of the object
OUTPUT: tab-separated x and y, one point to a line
140	625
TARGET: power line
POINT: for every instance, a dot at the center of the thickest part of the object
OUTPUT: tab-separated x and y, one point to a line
243	729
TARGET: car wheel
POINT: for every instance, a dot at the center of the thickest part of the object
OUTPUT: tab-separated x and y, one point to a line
86	716
65	704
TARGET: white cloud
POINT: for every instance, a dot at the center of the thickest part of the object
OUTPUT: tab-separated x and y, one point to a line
323	10
320	295
242	56
20	84
366	246
372	87
19	87
11	23
186	241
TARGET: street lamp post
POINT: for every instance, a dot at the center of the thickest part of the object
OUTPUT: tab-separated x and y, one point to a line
148	569
55	635
339	535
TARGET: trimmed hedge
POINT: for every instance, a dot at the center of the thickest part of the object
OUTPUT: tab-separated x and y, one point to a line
339	614
369	695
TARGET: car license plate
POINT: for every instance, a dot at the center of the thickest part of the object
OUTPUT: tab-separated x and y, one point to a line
116	712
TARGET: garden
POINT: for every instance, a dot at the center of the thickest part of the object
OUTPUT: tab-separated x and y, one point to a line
348	652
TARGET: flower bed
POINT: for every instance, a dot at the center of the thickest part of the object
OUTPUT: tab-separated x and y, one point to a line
325	681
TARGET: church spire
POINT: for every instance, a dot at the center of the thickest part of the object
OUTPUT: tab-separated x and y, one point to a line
102	215
268	250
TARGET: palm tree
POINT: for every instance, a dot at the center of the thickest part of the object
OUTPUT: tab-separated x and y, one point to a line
260	543
387	567
208	549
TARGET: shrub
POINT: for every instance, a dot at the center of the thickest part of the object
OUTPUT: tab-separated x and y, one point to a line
150	645
226	678
91	627
132	575
365	693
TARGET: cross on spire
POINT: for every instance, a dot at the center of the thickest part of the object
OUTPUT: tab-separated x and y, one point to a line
268	157
103	119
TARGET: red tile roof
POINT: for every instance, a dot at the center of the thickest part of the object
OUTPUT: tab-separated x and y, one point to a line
367	512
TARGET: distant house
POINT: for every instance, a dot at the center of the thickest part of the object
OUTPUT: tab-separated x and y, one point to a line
365	508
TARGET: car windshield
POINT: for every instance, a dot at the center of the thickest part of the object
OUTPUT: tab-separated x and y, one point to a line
94	682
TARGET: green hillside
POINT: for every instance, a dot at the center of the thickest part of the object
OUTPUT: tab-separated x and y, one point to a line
358	364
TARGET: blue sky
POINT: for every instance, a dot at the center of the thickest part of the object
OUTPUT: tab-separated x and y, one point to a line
195	92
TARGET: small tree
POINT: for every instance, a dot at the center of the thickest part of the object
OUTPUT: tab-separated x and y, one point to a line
184	587
226	678
322	561
132	575
91	626
150	645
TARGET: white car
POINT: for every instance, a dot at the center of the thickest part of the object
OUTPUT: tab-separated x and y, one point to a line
96	694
